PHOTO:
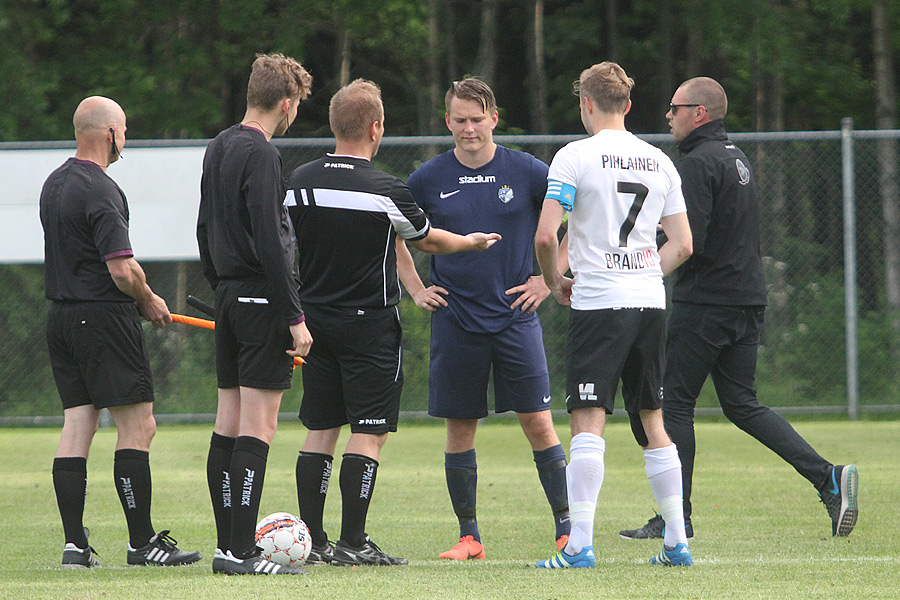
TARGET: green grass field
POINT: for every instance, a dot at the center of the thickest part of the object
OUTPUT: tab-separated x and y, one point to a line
760	530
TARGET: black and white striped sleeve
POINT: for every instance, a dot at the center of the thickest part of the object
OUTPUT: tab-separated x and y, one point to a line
409	220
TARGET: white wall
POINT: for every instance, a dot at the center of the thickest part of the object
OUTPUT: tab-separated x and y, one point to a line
162	186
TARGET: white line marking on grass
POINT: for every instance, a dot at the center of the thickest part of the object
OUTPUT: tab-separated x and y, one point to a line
474	564
797	561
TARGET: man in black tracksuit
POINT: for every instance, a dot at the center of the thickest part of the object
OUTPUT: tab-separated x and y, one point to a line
718	306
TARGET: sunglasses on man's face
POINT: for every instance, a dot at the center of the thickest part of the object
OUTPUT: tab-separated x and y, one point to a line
674	107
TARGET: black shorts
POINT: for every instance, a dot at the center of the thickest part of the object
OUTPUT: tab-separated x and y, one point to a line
604	346
353	373
251	338
98	355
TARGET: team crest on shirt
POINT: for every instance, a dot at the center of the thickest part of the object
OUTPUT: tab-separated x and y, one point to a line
743	172
505	194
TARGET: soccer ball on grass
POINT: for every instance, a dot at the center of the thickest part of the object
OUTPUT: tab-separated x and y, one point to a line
284	538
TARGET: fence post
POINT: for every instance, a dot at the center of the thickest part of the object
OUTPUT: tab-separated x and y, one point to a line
850	292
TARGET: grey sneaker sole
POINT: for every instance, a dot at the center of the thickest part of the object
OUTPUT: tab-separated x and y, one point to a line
849	500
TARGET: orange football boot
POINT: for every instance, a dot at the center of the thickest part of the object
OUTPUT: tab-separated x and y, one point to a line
466	548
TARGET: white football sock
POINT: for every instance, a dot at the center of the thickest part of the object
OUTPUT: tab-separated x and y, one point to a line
664	472
584	477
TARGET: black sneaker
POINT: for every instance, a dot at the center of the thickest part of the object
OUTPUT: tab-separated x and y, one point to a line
218	562
321	555
840	497
161	550
252	565
76	558
654	529
367	554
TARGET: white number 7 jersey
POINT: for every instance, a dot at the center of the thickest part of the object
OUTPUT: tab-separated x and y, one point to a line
623	186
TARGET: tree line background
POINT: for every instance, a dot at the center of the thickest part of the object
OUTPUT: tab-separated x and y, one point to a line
179	68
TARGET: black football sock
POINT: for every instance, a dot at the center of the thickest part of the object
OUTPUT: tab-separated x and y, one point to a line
131	469
70	484
551	467
357	481
461	470
313	473
248	470
218	479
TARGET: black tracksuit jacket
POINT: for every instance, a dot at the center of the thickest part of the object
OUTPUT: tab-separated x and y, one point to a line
723	209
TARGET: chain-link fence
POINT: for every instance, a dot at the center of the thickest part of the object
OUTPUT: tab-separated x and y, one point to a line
804	358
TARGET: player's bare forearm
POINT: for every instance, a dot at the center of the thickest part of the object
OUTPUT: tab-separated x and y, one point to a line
547	251
546	248
429	298
679	245
129	277
439	241
406	269
562	260
546	245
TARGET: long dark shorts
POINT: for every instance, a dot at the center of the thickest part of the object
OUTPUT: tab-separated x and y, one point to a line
354	372
608	345
461	363
98	354
251	339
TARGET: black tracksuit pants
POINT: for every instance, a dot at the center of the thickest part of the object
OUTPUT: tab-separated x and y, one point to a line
722	341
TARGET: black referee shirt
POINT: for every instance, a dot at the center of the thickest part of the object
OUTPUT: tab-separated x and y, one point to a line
85	219
346	216
243	230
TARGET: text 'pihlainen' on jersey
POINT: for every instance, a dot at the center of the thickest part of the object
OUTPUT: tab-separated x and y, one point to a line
632	163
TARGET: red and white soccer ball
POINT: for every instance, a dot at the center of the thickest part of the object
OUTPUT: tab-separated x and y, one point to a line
284	538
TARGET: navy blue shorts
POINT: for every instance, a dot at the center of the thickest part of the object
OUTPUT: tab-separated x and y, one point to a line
98	354
251	339
604	346
461	364
353	373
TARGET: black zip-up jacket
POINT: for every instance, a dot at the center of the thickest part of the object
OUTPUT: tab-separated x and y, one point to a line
723	209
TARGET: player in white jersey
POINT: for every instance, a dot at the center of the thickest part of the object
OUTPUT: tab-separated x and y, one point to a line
618	188
612	245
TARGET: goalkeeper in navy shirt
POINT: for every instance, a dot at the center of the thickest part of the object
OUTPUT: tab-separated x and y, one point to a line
484	304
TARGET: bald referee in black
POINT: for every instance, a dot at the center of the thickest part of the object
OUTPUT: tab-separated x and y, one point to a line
95	339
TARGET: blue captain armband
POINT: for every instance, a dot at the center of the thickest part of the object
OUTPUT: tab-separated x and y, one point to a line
561	192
